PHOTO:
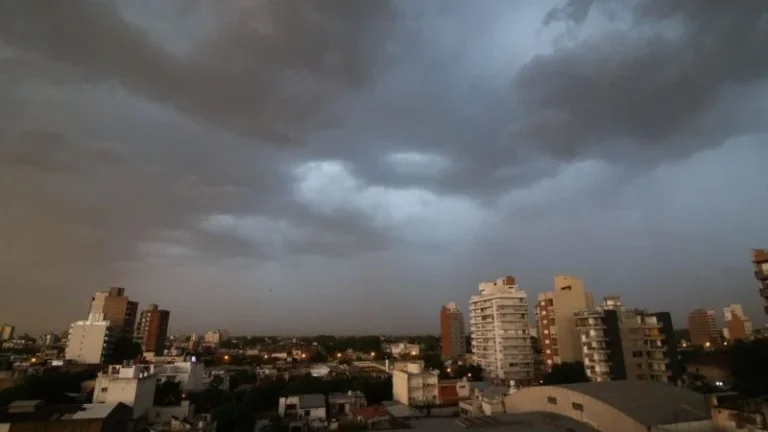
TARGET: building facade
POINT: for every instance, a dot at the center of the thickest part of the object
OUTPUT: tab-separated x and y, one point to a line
132	385
501	344
702	325
152	329
736	325
453	343
558	337
89	341
116	308
6	332
415	386
760	267
619	343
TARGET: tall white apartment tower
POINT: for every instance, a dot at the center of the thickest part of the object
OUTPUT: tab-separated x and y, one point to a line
499	327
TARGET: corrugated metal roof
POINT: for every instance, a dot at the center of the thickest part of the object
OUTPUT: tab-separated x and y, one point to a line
648	403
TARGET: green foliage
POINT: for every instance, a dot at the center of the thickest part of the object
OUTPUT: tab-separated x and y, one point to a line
125	349
748	367
168	393
471	372
566	373
51	387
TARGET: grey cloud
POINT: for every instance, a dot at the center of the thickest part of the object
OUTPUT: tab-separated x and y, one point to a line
261	79
625	89
52	151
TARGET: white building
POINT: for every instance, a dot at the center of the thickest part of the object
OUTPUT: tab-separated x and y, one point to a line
132	385
89	341
189	374
415	386
215	337
403	348
499	326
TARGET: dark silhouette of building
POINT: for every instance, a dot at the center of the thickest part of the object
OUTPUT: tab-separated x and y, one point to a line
152	329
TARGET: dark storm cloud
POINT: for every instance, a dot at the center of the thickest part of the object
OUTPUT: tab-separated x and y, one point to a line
132	147
52	151
641	89
269	71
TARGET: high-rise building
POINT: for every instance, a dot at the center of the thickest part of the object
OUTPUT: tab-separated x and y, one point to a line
117	309
620	343
600	337
736	325
558	336
89	341
152	329
6	332
760	266
452	337
215	337
499	328
702	325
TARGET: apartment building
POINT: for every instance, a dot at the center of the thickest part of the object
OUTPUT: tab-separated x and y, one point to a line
760	267
152	330
412	385
89	341
215	337
736	324
620	343
558	336
116	308
453	343
501	343
702	325
600	338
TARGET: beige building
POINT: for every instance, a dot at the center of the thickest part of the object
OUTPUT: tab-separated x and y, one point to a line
620	343
132	385
89	341
6	332
116	308
702	325
558	337
501	343
412	385
736	324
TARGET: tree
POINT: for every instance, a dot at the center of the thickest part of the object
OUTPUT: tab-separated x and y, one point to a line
216	382
748	360
125	349
168	393
566	373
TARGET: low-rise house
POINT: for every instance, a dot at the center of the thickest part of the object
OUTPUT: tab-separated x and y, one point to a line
189	374
36	415
403	348
133	385
484	402
320	370
415	386
372	417
713	368
730	413
343	404
162	416
304	409
451	392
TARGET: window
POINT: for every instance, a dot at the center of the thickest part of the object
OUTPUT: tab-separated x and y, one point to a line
552	400
637	354
104	389
307	413
577	406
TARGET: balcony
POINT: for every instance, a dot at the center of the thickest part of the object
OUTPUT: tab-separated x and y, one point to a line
764	292
761	275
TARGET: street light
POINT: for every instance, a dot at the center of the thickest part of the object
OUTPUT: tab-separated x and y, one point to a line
338	355
226	357
373	354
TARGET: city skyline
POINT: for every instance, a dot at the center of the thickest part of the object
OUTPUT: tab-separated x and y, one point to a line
349	167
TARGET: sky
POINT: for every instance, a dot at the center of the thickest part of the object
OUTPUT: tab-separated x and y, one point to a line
344	166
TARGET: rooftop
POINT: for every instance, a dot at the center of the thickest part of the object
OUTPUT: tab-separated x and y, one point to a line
33	411
647	402
533	422
311	401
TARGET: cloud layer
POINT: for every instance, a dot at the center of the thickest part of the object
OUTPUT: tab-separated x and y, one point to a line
338	159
